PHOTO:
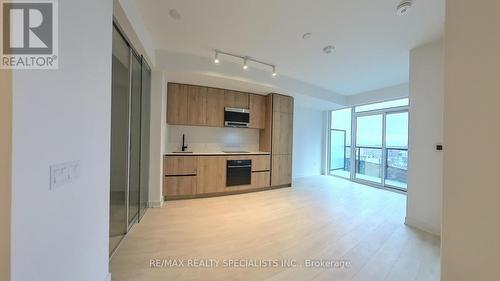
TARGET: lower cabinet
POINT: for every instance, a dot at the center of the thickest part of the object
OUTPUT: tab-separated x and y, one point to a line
211	174
179	185
282	170
261	179
193	176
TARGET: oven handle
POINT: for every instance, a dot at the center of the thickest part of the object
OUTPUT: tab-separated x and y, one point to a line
245	166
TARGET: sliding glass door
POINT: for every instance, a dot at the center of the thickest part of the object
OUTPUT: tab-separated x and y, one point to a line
369	148
120	115
130	121
381	148
379	144
396	135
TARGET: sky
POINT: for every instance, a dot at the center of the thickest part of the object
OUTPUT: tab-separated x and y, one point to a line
369	131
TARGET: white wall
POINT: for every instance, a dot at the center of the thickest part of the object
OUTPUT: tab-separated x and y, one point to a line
379	95
471	193
308	141
59	116
425	167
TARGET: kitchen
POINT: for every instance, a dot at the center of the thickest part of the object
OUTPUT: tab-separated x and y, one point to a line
224	142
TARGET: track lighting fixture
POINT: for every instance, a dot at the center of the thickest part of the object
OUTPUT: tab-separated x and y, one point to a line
245	60
216	58
245	65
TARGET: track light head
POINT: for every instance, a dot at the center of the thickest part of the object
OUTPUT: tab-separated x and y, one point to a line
216	58
245	65
274	70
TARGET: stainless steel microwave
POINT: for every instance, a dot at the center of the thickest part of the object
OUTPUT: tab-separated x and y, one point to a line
236	117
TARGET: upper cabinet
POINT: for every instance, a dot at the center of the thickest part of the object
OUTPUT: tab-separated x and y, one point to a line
204	106
177	104
236	99
215	107
257	105
282	103
196	105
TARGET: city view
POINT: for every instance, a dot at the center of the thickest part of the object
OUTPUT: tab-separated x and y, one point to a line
372	132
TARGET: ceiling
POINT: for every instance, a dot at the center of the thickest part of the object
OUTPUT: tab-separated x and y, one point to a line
372	42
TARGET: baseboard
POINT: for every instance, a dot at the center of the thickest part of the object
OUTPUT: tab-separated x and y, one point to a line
422	226
155	204
108	277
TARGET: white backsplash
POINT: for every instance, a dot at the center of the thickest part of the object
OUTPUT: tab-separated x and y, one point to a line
212	139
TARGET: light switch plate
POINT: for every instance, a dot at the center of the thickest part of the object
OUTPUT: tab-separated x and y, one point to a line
64	173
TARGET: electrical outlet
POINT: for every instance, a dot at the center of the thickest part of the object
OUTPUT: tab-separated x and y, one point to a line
64	173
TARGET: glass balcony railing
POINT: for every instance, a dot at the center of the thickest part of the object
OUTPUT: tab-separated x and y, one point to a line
368	165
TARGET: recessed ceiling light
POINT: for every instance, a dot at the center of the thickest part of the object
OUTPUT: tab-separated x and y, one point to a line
306	35
174	14
328	49
404	7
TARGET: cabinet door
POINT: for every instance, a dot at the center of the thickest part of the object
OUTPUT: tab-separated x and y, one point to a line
211	174
197	98
282	133
215	107
175	186
261	163
235	99
260	179
282	103
257	105
281	173
177	104
180	165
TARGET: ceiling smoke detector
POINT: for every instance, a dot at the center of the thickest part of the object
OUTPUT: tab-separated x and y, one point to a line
328	49
174	14
404	7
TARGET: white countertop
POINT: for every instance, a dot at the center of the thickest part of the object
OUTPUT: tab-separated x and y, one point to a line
216	153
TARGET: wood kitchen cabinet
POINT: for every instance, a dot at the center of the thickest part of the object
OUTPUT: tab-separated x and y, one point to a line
260	179
215	108
196	105
236	99
177	104
179	185
282	103
281	173
261	163
282	134
211	174
180	165
257	106
204	106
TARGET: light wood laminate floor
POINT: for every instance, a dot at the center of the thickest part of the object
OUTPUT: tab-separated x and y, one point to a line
319	218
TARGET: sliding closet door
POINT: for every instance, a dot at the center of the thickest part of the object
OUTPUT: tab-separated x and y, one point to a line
120	99
135	139
145	135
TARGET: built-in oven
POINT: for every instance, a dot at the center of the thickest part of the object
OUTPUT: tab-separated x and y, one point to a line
236	117
238	172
